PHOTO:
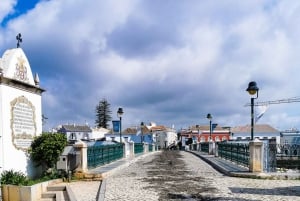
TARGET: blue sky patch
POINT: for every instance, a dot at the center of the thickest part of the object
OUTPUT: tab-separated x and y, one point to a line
22	7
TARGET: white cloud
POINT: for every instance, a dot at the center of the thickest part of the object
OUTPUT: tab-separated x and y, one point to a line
169	63
6	8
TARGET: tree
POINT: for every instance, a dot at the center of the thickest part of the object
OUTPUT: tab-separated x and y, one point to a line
46	149
103	114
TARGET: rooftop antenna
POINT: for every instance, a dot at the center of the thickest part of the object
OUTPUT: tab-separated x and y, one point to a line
19	39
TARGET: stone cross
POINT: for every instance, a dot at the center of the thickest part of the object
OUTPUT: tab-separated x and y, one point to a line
19	39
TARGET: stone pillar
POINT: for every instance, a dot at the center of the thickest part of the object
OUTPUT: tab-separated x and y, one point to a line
131	149
146	147
256	158
216	149
153	147
211	147
126	148
82	148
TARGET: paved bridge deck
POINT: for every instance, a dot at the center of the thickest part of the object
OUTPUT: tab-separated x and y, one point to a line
224	166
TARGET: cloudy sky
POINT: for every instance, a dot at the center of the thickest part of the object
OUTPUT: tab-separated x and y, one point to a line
169	62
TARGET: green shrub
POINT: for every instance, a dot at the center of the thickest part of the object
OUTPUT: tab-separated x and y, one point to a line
18	178
46	149
51	173
14	178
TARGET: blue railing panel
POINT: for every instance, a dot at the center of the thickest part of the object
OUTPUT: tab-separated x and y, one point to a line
103	154
204	147
138	148
235	152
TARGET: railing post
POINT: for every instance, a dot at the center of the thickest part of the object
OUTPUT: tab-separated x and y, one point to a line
82	148
216	149
211	147
256	159
126	148
146	147
131	149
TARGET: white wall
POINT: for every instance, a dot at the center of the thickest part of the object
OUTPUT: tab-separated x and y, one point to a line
11	157
14	155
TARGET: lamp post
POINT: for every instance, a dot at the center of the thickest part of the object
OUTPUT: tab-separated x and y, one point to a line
120	113
210	118
252	90
142	137
198	129
156	141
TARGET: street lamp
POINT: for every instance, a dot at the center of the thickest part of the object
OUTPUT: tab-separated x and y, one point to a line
120	113
198	129
252	90
142	137
210	118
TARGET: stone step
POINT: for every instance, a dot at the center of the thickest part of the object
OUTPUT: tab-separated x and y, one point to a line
89	176
58	192
56	188
47	199
48	194
55	195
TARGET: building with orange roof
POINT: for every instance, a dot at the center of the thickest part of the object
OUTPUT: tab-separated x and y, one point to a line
160	135
201	133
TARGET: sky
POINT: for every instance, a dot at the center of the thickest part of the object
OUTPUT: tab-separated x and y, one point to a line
170	62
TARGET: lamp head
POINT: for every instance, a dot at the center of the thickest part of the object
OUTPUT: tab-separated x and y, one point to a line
209	116
252	88
142	123
120	112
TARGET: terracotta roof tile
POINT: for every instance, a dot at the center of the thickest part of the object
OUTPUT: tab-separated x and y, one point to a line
134	130
158	128
261	128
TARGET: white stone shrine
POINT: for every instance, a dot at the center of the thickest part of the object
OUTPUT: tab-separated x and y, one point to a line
20	111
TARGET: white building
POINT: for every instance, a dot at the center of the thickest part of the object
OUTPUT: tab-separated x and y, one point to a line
75	132
163	136
99	133
291	136
20	111
261	132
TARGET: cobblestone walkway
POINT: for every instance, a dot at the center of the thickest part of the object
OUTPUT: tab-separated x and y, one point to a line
177	175
85	190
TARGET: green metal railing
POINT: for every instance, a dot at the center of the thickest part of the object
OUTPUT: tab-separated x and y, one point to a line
204	147
235	152
100	155
138	148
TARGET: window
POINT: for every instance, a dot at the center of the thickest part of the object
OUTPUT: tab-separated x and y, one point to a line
86	136
72	136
